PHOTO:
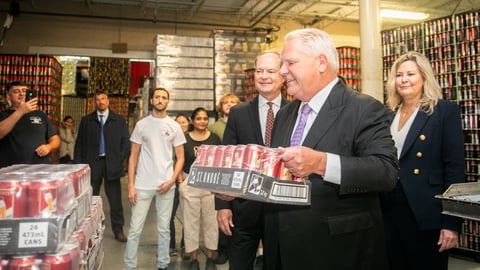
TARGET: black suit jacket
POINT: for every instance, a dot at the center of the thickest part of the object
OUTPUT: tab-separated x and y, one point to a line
117	144
434	149
342	228
243	127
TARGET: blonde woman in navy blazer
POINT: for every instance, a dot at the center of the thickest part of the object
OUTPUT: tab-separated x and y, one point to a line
428	135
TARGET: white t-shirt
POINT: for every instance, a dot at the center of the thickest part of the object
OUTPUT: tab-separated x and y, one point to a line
157	137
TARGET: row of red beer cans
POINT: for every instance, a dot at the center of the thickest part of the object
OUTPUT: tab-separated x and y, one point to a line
42	190
265	160
68	258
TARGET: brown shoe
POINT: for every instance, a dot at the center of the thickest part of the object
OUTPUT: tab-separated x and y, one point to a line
119	236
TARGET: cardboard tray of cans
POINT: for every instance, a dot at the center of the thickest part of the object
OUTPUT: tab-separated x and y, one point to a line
26	236
462	200
38	205
251	172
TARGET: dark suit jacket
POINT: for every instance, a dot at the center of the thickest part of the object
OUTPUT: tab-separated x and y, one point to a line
243	127
342	228
117	144
433	147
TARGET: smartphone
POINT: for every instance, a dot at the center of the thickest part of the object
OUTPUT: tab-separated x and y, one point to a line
31	94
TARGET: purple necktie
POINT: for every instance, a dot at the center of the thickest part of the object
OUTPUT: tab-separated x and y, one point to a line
297	135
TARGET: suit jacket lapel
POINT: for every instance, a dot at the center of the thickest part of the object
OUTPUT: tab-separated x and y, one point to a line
283	128
414	131
325	117
253	115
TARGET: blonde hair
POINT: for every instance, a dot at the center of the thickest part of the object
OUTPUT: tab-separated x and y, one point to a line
432	91
223	100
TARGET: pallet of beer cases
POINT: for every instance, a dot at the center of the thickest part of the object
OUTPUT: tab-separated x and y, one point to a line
90	237
71	255
38	207
251	171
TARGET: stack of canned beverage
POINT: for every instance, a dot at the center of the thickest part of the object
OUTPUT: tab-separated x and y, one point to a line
252	157
49	217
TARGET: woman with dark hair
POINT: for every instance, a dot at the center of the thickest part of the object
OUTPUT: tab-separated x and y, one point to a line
186	126
198	205
67	137
184	122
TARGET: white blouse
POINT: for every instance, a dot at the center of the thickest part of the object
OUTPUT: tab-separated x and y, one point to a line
399	136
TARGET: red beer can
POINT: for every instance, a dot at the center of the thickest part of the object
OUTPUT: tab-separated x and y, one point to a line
42	198
218	159
238	153
74	176
13	198
210	157
58	261
74	249
79	235
251	157
86	172
23	263
228	156
201	155
296	178
270	162
283	173
65	194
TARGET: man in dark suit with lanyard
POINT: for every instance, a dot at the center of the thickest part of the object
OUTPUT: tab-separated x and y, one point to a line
239	218
103	143
340	140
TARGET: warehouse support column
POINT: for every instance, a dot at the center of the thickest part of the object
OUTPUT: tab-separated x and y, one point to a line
371	49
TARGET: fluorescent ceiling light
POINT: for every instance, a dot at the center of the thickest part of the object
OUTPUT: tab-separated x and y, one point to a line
406	15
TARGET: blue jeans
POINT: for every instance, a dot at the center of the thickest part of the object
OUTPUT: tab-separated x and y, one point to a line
163	205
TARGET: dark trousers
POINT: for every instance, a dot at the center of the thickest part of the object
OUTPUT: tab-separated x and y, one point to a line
113	191
65	160
223	242
243	247
409	247
176	201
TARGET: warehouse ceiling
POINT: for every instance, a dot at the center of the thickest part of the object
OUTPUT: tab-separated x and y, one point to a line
235	14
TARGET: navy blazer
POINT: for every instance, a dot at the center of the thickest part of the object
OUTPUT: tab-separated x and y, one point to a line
342	228
432	159
243	127
117	144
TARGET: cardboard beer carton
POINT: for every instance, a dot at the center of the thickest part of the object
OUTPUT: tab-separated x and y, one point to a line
251	172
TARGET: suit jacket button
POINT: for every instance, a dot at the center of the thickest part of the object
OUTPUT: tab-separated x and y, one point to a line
416	171
422	137
419	154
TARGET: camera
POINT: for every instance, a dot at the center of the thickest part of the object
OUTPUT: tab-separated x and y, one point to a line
30	94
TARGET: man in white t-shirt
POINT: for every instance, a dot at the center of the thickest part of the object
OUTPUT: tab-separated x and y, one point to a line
152	174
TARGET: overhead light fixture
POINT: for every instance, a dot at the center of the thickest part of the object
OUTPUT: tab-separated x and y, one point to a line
405	15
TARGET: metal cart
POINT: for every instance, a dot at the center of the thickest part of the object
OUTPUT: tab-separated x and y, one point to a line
463	200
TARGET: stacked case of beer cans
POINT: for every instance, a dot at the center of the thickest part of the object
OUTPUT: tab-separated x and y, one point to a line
250	171
49	219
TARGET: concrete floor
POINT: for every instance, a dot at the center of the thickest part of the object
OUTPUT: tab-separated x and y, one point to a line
114	250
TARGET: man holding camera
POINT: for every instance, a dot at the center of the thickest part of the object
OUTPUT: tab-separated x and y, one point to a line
27	135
